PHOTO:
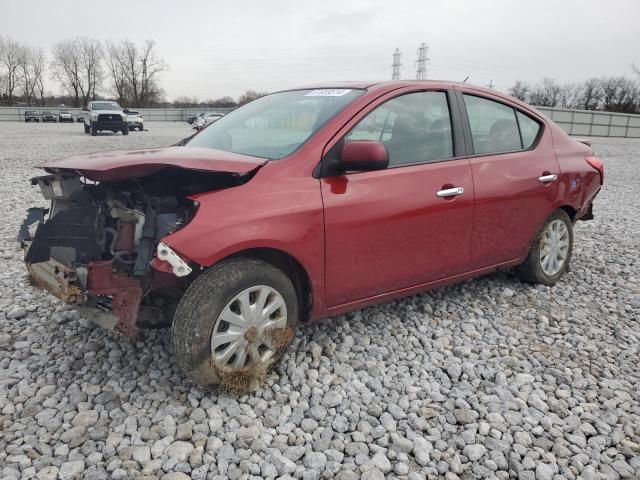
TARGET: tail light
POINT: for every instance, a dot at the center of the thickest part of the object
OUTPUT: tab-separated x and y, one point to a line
596	163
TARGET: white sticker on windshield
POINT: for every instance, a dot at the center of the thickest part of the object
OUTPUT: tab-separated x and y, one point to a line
328	92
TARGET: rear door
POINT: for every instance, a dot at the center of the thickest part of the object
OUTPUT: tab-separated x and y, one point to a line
410	223
515	175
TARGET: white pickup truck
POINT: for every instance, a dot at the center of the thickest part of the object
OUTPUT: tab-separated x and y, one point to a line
103	115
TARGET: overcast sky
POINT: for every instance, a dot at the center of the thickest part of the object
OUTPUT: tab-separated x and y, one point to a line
217	48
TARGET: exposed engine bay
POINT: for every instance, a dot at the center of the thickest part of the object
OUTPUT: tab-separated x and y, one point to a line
99	244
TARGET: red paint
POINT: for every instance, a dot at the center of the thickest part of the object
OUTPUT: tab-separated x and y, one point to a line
121	164
371	236
125	291
364	151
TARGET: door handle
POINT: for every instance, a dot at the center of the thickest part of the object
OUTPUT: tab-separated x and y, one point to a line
450	192
548	178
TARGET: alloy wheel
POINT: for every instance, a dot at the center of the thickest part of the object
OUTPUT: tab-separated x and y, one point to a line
554	247
240	336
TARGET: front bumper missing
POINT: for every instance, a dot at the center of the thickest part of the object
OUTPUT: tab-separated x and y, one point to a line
58	279
112	300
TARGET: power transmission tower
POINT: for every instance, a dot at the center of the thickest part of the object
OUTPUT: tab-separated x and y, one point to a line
395	75
421	63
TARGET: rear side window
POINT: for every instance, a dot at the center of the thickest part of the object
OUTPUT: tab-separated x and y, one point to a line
494	127
415	128
529	129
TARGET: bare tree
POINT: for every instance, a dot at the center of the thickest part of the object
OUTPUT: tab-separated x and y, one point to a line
31	72
185	101
546	94
591	95
66	68
38	65
520	90
135	71
223	102
250	96
91	55
570	95
619	94
10	58
116	72
77	66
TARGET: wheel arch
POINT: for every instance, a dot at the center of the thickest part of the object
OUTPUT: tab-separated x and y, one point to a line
291	266
571	211
568	209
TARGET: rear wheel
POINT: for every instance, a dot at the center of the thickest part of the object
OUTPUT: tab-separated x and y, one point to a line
125	130
234	322
551	251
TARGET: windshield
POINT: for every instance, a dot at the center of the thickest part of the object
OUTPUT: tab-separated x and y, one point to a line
276	125
105	106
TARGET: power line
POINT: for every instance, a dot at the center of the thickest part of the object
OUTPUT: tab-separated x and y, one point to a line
395	75
421	63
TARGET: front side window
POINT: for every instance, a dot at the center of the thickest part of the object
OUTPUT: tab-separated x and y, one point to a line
494	128
415	128
276	125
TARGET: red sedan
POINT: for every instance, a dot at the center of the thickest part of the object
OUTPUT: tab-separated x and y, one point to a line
307	203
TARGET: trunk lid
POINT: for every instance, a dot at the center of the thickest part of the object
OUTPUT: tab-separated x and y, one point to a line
124	164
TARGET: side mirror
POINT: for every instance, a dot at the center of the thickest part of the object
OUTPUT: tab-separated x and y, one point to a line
85	109
363	155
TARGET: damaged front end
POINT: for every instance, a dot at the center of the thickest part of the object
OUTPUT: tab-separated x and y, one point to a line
99	245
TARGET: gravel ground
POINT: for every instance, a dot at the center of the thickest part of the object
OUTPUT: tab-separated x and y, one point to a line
488	379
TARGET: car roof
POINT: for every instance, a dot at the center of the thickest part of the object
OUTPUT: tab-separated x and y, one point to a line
382	87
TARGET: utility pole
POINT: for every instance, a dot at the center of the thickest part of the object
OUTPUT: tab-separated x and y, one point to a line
490	85
395	75
421	63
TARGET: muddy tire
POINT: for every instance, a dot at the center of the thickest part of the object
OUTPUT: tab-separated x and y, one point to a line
234	290
550	253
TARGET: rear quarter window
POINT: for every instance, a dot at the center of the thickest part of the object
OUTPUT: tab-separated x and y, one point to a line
529	129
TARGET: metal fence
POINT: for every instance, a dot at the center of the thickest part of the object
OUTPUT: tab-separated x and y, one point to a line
575	122
16	114
589	123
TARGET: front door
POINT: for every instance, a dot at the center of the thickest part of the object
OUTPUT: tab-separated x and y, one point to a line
409	224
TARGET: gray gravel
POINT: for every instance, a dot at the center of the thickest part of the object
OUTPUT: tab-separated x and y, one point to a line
488	379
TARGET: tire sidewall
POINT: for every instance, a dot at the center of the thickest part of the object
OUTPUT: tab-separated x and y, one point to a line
205	299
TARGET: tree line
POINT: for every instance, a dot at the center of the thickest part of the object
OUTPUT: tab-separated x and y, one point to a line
84	68
222	102
612	94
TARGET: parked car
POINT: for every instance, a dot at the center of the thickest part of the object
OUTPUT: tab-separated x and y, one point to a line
65	116
193	118
49	117
31	116
206	119
134	119
309	203
103	115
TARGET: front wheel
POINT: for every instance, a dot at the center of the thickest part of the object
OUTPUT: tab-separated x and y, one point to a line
233	323
550	253
86	128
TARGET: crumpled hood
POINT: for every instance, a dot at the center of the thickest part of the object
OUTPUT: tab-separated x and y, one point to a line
123	164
